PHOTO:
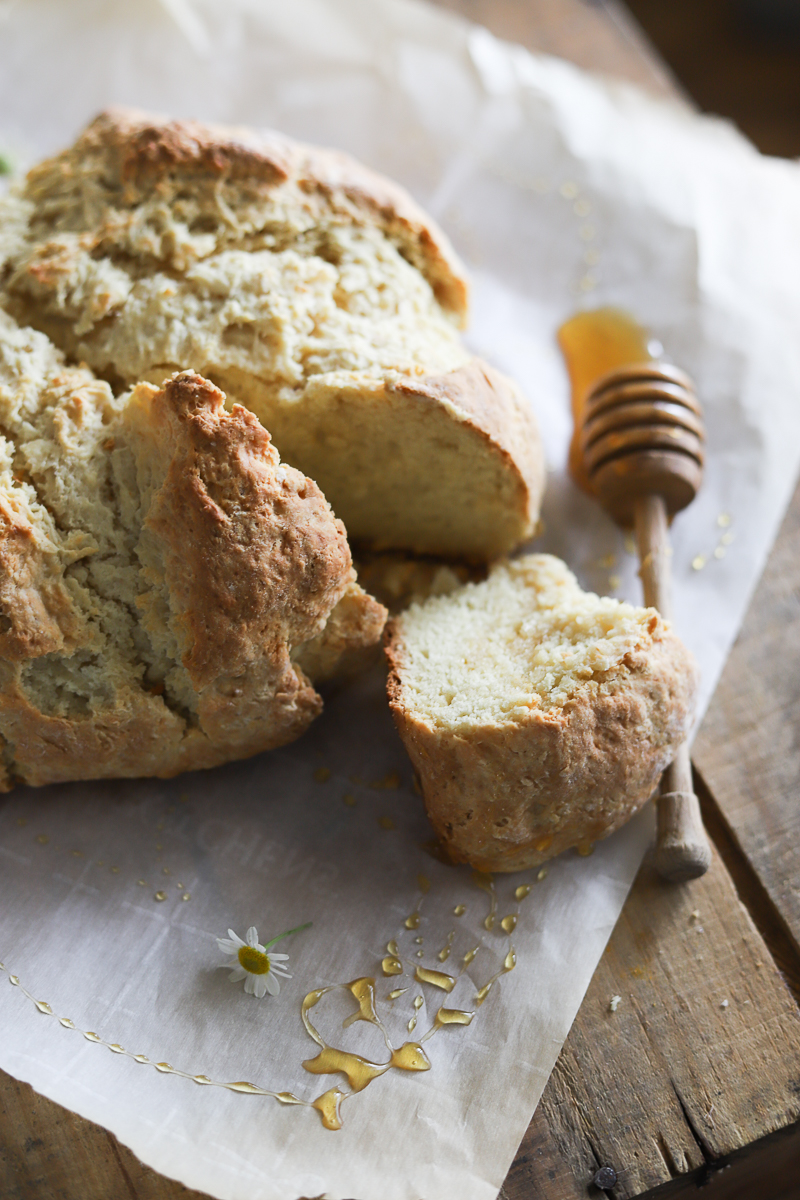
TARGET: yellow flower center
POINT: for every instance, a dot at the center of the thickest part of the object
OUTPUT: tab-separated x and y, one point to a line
254	961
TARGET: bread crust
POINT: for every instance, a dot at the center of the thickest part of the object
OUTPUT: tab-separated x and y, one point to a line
133	154
304	285
511	795
241	563
493	407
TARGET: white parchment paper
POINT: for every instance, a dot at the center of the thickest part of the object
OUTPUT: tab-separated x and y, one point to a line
560	190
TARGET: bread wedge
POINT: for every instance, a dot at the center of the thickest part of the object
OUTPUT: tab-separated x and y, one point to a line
161	574
310	290
538	716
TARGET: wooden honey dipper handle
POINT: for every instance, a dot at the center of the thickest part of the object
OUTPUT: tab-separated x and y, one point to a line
638	447
682	850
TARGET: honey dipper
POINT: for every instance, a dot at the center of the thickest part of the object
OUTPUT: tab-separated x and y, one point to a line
637	447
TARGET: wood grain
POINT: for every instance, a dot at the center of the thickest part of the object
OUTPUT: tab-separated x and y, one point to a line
675	1080
748	750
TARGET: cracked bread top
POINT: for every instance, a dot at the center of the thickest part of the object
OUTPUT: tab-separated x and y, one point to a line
160	570
307	288
234	237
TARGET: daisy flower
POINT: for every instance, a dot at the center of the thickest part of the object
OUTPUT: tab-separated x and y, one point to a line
257	965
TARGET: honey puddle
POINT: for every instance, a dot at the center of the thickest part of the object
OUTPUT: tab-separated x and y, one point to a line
358	1071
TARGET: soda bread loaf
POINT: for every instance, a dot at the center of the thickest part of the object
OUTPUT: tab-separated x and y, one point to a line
162	577
309	289
538	716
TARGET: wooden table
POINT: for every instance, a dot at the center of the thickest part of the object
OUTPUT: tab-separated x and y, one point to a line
696	1077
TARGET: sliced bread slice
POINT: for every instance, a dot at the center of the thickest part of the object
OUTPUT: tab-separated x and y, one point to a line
538	716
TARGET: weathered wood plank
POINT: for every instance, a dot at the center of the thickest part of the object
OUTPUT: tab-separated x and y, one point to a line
49	1153
701	1058
748	750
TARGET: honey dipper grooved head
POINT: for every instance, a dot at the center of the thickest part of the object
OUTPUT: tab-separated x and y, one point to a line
642	434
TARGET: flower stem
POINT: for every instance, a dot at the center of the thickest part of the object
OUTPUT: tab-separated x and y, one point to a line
296	929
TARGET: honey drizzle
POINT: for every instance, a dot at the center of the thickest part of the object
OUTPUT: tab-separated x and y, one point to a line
164	1068
328	1105
444	953
358	1071
486	883
436	978
448	1016
363	990
509	963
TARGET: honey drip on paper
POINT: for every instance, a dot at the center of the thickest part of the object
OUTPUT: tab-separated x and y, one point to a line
470	955
364	992
392	948
486	883
391	965
509	963
436	978
397	993
522	891
410	1057
412	921
358	1071
593	344
327	1105
460	909
163	1068
449	1016
444	953
509	923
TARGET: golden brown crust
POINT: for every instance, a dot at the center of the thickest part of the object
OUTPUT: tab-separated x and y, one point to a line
511	795
251	550
134	153
496	409
236	561
350	639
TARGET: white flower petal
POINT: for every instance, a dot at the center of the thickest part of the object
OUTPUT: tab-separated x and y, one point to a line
276	957
284	974
252	936
273	986
261	985
237	975
237	941
227	946
250	985
261	948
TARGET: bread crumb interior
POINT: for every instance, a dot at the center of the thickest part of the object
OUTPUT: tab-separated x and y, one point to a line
528	637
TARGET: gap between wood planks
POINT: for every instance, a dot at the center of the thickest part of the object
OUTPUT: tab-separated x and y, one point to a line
751	891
